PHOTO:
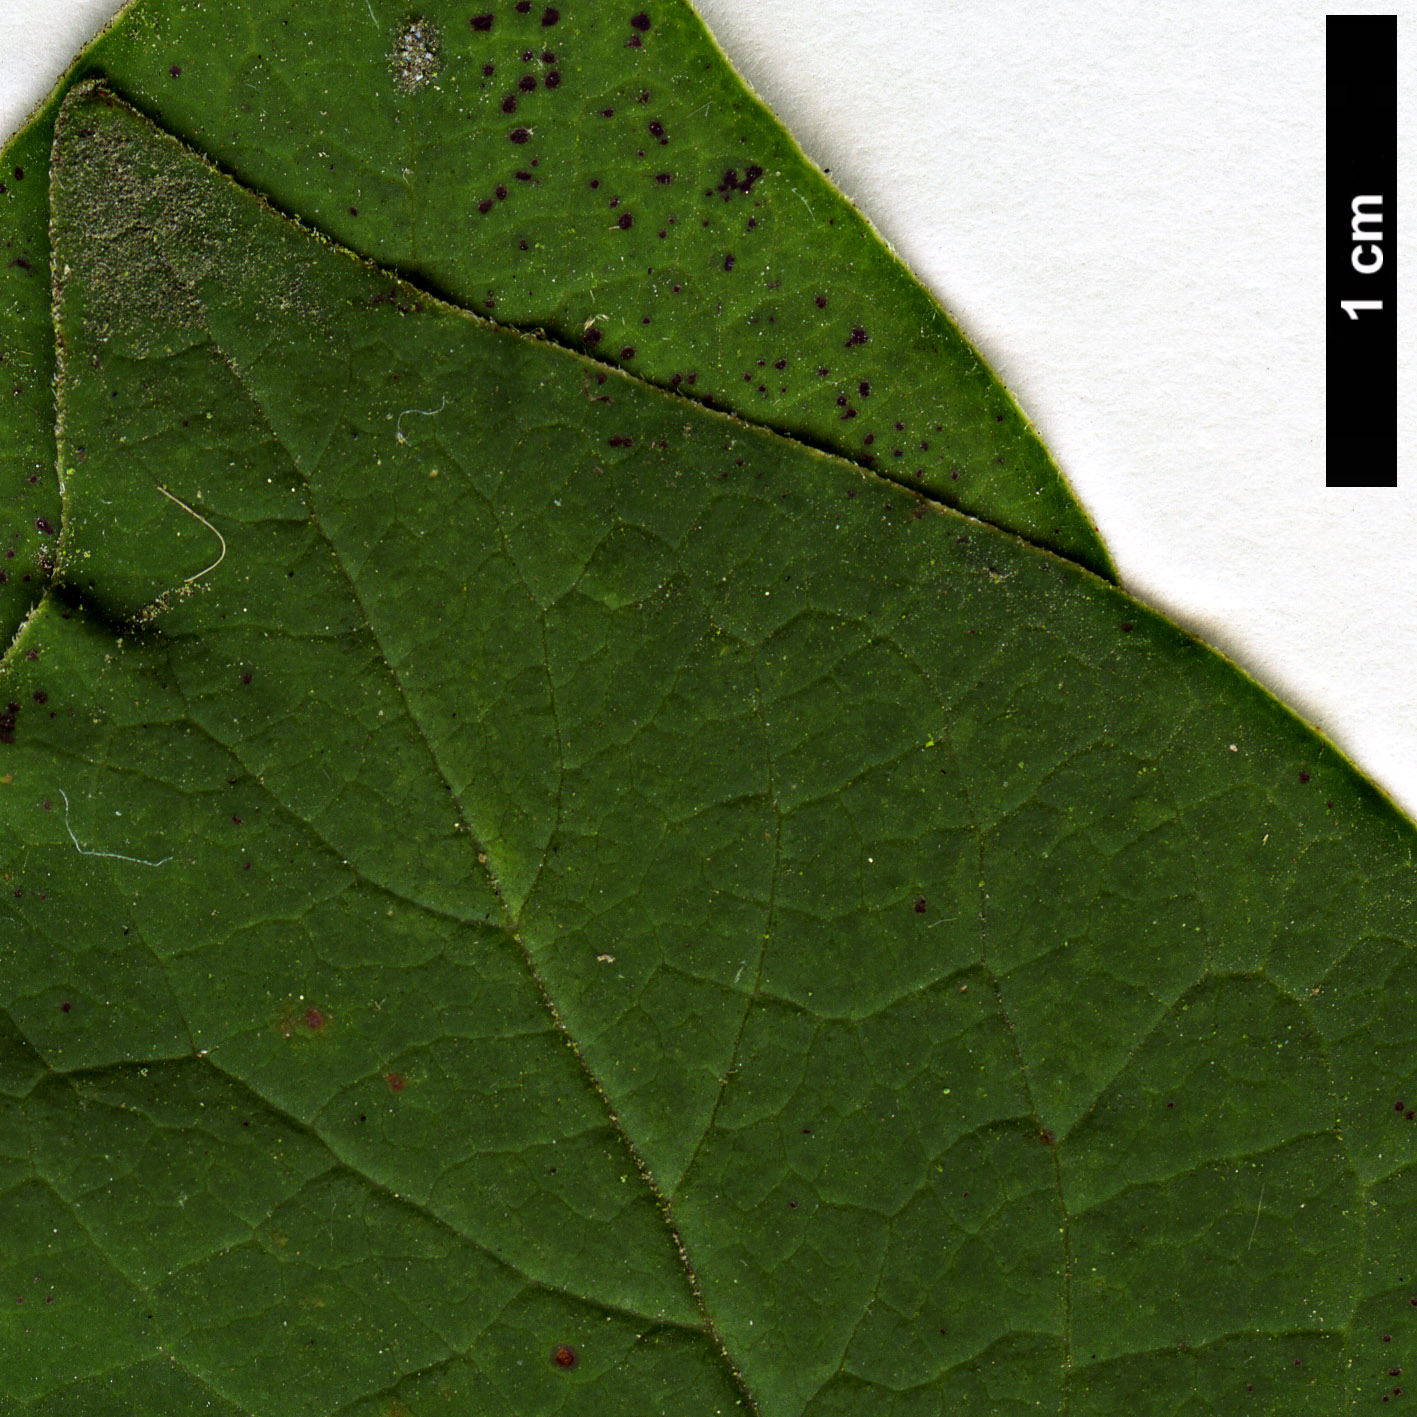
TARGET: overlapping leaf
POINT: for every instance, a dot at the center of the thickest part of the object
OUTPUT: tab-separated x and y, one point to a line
595	170
524	894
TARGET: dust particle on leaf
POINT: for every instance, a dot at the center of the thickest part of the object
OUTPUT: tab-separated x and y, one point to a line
415	60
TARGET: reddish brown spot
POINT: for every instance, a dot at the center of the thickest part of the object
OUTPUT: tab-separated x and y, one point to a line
396	1081
564	1356
1046	1136
1126	627
65	1006
314	1020
1399	1106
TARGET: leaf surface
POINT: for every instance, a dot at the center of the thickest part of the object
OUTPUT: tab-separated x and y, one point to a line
593	170
526	894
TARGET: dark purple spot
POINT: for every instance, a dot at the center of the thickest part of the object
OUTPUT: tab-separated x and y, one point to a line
40	697
664	178
628	352
19	174
522	7
176	71
41	525
527	83
564	1356
65	1006
526	56
549	17
519	135
779	364
522	177
640	21
246	677
591	335
509	105
864	389
488	70
728	263
547	57
857	336
553	79
1126	627
869	439
1046	1137
485	205
1303	777
607	113
482	22
500	193
618	442
236	821
354	211
1399	1107
821	302
920	906
624	221
656	127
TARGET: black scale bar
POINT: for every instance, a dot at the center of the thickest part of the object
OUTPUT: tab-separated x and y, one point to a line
1362	251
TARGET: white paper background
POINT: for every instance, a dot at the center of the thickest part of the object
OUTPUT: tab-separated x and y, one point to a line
1122	205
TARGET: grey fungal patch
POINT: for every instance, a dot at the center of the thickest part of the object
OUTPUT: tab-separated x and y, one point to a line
414	60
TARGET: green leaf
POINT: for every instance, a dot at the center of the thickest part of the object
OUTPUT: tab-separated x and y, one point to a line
524	894
653	212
